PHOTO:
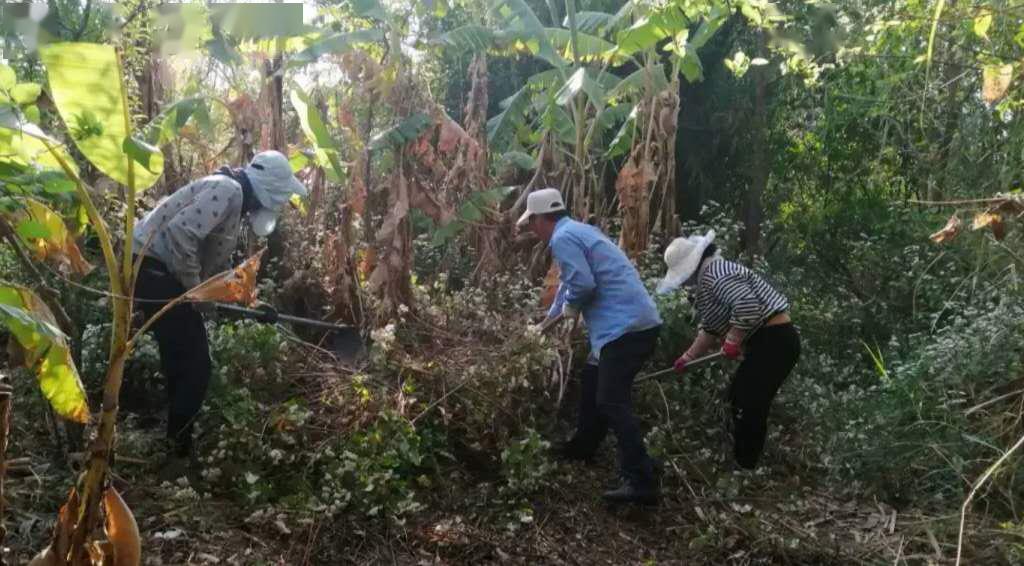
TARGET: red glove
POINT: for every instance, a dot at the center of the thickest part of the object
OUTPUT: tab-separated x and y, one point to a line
681	363
731	350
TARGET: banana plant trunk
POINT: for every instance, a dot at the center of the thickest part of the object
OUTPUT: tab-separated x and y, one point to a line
646	182
5	426
102	446
487	235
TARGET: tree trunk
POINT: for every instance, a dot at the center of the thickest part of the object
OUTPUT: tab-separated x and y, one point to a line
695	145
753	207
487	234
371	208
276	239
951	112
155	83
277	137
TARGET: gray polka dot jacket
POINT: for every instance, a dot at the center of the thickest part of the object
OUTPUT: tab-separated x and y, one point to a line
193	231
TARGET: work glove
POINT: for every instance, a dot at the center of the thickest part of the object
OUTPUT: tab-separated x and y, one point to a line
731	346
681	363
731	350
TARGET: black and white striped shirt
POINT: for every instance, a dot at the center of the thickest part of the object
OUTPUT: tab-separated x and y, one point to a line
730	295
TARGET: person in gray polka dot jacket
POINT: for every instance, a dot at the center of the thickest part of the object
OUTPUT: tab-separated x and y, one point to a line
190	236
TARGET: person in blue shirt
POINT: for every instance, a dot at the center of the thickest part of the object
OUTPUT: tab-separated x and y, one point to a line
599	282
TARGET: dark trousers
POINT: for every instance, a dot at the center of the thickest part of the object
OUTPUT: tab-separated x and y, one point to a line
769	357
184	350
606	402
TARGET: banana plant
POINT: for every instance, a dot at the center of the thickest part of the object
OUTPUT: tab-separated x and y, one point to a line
86	83
325	148
582	110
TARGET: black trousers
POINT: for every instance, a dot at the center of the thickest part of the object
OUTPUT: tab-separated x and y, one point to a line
769	357
606	402
184	350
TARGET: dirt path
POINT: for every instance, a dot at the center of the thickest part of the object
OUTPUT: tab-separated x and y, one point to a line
749	519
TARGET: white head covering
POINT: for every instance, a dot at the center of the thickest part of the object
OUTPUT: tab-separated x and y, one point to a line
541	202
683	258
273	183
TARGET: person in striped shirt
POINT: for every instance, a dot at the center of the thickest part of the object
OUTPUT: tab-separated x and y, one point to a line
737	306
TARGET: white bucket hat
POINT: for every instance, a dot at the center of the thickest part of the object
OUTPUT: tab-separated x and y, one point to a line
682	258
273	183
541	202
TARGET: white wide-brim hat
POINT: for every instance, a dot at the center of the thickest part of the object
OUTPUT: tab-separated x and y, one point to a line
274	184
682	257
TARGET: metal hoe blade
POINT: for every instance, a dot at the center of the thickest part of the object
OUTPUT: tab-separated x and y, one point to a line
343	342
346	344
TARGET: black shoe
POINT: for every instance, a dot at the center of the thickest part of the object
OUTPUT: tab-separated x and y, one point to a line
177	467
178	462
615	483
631	493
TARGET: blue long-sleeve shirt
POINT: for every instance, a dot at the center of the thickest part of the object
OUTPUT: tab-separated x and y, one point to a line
599	280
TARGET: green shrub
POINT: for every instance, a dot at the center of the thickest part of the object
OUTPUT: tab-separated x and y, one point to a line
143	388
909	435
525	466
526	469
376	471
247	350
253	429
